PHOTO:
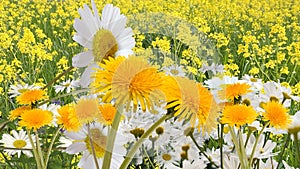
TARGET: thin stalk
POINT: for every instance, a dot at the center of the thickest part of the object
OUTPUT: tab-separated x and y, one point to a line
111	138
37	159
50	147
63	95
283	150
39	150
255	144
297	148
201	150
243	151
92	146
221	145
237	145
135	147
58	77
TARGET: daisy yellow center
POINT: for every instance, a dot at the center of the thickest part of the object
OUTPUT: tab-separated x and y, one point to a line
99	143
104	45
166	157
19	143
22	90
174	72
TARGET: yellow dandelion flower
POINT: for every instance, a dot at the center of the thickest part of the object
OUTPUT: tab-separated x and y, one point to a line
107	114
234	91
35	118
132	80
276	114
67	117
238	115
191	100
87	109
31	96
17	112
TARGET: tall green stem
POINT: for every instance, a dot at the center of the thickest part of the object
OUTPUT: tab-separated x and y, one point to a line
202	152
243	151
111	138
37	159
58	77
135	147
297	148
92	146
39	150
50	147
255	144
236	140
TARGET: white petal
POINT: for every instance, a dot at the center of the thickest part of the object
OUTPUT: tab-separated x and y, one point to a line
83	42
83	59
80	135
86	75
124	52
118	26
76	148
88	19
97	18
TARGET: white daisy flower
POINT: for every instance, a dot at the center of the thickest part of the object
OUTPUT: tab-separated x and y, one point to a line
17	140
262	150
196	164
67	85
174	70
270	163
103	38
99	136
16	90
231	162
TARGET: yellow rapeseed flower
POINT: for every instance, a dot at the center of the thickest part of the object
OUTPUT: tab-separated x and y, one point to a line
35	118
276	114
31	96
238	115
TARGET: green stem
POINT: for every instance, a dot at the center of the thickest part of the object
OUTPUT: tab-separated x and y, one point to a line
297	148
37	159
283	150
58	77
202	152
237	145
243	151
255	144
111	138
92	146
135	147
39	150
2	125
50	147
258	65
63	95
221	145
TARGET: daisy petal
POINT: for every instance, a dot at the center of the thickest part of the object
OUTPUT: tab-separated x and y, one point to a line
76	148
83	59
86	75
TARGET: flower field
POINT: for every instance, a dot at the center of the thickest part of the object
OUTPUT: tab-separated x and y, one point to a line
173	84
